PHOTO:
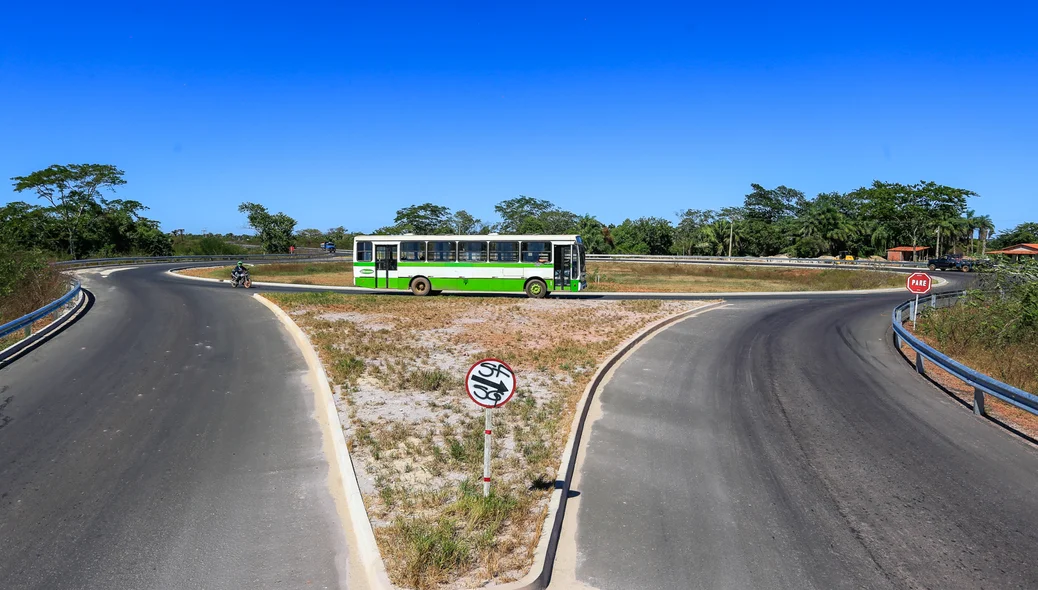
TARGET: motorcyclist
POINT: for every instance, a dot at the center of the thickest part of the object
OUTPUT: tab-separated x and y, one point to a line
239	270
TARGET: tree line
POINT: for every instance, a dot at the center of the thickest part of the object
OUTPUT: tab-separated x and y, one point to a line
780	220
76	216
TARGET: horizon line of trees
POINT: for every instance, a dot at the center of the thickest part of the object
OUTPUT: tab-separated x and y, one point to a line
78	218
863	222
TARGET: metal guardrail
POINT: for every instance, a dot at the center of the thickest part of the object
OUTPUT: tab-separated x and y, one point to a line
982	384
53	308
778	261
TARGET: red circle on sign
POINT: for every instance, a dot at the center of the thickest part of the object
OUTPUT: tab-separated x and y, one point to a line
515	382
919	283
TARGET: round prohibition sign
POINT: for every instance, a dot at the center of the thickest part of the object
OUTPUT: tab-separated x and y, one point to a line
490	383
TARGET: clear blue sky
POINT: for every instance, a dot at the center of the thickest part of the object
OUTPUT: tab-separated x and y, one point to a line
339	114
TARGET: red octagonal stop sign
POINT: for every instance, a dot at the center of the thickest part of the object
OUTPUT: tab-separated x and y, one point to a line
919	283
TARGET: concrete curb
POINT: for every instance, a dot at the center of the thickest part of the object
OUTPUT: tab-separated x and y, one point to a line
13	352
544	556
370	557
563	295
540	572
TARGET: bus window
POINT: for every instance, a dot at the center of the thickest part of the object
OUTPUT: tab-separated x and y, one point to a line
472	251
504	251
442	251
364	251
536	252
412	251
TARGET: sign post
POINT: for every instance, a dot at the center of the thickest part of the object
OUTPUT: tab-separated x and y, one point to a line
490	384
918	283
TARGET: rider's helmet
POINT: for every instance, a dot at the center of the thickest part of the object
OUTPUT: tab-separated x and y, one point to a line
239	264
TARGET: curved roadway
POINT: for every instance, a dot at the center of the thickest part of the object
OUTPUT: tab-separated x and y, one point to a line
166	440
786	444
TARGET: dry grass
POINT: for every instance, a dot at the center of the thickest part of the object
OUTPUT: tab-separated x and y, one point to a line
33	292
989	334
704	278
985	335
12	339
1021	420
621	277
417	441
338	274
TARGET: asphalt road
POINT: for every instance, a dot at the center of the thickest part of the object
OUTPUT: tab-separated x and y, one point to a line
165	440
785	444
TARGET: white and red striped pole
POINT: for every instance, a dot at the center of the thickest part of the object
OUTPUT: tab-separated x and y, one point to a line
486	456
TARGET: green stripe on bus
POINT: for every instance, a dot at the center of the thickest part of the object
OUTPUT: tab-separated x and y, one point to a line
457	284
460	264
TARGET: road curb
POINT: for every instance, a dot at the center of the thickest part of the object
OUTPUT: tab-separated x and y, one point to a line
16	350
544	556
370	557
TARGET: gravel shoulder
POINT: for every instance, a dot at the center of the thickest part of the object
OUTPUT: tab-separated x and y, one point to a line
396	366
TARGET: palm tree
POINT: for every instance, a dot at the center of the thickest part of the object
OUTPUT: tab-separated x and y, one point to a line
986	227
716	235
970	227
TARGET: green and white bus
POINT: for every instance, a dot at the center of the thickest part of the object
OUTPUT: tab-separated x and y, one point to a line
536	264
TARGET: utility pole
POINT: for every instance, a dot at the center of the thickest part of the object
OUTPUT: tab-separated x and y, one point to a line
938	241
731	234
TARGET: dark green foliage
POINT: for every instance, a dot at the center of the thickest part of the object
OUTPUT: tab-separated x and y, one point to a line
646	235
206	245
74	194
275	230
78	221
1025	233
423	219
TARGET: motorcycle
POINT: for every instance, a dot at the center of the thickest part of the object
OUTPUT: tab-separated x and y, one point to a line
241	279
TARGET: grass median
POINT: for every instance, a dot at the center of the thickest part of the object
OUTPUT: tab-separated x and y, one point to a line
622	277
396	366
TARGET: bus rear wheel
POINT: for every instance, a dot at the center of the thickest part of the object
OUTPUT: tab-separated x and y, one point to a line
421	286
536	289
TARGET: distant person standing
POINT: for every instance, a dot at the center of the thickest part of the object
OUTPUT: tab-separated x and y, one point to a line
292	250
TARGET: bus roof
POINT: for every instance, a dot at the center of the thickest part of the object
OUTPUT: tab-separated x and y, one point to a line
473	238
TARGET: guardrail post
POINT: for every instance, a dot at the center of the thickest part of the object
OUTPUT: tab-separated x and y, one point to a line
978	402
919	363
933	301
28	330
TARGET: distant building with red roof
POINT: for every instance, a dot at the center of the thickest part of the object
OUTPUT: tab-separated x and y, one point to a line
899	253
1018	250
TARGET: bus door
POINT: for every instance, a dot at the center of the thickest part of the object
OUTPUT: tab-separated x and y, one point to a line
385	262
563	255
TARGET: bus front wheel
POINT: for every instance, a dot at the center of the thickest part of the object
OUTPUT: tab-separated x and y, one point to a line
536	289
421	286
